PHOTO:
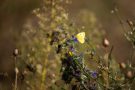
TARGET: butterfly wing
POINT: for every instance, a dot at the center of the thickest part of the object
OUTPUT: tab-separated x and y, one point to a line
81	37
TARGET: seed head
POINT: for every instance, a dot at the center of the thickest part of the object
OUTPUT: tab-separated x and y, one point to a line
122	65
129	74
16	52
16	70
106	43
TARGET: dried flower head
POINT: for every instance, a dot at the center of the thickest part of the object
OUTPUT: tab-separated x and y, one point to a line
106	43
16	52
129	74
16	70
122	65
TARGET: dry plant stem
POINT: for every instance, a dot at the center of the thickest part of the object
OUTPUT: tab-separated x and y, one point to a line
131	26
43	76
16	81
15	86
132	54
109	60
44	72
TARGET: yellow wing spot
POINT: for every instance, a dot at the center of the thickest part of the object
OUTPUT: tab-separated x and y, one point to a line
81	37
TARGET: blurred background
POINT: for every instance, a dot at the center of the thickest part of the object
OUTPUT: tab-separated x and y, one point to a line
14	13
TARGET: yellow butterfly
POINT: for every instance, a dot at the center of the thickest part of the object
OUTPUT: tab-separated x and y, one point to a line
81	37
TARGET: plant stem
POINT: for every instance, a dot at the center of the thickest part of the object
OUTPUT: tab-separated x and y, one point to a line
88	76
43	75
16	74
